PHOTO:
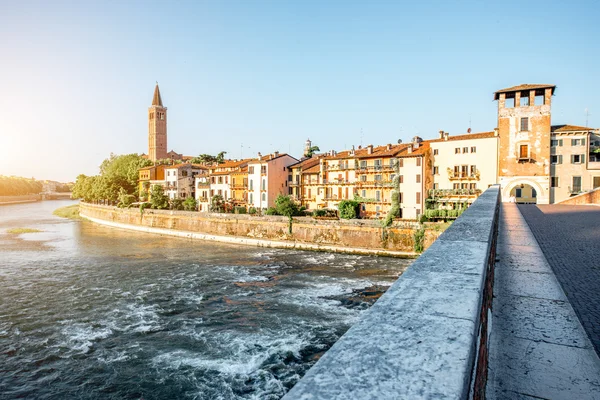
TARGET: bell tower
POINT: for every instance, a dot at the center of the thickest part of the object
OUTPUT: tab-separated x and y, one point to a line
157	128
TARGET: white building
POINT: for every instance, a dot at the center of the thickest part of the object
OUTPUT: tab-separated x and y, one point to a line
268	178
180	179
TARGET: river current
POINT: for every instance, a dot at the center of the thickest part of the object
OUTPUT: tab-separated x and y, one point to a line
90	312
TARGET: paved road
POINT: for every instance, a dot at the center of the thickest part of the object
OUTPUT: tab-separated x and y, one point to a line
569	237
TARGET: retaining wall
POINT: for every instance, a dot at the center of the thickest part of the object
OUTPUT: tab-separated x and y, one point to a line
26	198
358	234
426	337
591	197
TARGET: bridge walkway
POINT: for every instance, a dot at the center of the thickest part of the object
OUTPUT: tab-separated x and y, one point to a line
538	348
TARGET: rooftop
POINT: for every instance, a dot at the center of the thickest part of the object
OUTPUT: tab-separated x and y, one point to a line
525	86
569	128
467	136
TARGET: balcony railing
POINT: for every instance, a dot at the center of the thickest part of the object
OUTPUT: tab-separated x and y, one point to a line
439	193
453	175
375	183
371	168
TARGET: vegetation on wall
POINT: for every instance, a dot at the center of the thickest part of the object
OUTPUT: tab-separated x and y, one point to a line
348	209
158	199
17	186
116	173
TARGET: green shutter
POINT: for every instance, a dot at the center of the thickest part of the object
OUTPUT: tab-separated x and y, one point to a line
583	142
583	158
560	159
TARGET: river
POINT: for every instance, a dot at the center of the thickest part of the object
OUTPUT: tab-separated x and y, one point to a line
90	312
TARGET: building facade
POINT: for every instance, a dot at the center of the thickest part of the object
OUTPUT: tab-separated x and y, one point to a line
268	177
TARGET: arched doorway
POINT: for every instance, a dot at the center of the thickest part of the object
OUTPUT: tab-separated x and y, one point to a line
524	194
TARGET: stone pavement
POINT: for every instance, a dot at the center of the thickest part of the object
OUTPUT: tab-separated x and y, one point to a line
570	239
537	347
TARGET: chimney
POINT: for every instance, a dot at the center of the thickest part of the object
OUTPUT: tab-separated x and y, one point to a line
446	134
495	131
352	151
359	147
388	147
410	149
276	154
259	155
441	134
270	156
370	149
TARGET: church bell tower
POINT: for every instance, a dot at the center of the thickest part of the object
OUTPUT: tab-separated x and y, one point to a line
157	128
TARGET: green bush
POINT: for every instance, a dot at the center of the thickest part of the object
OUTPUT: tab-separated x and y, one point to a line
158	198
252	210
271	211
452	213
190	204
442	213
176	204
419	238
319	212
348	209
240	210
145	205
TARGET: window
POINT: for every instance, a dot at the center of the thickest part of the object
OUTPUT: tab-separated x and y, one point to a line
533	193
518	192
523	151
554	181
401	178
220	179
556	159
400	197
457	150
576	184
418	212
464	185
363	178
509	102
264	184
524	124
418	178
363	164
577	142
418	199
377	177
539	98
377	164
436	170
378	195
472	186
596	182
435	152
524	100
577	158
263	169
401	163
456	186
364	193
556	142
473	170
251	186
465	150
436	185
419	162
473	149
264	197
464	171
251	170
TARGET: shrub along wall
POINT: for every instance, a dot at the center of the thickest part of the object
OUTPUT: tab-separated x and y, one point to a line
348	233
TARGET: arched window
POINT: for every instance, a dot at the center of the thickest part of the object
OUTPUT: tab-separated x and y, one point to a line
533	193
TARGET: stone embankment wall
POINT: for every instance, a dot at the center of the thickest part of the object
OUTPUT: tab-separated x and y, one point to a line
366	234
592	197
427	336
27	198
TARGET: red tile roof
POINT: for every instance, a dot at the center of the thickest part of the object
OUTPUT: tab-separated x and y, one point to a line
525	86
569	128
468	136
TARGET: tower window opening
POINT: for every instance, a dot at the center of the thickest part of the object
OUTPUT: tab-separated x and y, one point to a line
539	98
509	101
524	100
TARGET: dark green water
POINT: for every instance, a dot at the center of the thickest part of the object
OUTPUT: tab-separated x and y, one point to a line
88	312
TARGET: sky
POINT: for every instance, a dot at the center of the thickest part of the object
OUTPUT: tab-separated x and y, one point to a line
77	77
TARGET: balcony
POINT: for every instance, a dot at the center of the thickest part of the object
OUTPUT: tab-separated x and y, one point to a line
374	183
239	186
375	168
454	176
444	193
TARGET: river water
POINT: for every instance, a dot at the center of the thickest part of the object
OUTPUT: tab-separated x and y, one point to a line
90	312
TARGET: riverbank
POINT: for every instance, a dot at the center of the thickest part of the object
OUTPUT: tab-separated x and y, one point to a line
28	198
353	236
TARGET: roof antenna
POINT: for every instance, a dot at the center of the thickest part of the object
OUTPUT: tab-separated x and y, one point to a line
361	136
587	116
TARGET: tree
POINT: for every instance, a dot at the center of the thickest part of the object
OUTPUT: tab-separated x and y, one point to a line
177	204
190	204
287	207
158	198
125	200
348	209
208	159
217	204
311	151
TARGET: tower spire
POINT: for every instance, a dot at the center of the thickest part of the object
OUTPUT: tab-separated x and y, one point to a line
156	100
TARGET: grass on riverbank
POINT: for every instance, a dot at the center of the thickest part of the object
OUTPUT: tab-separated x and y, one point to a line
18	231
71	212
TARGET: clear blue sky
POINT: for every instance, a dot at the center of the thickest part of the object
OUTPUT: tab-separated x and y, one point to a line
76	78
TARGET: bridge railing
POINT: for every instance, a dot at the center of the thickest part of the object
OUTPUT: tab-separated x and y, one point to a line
426	337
